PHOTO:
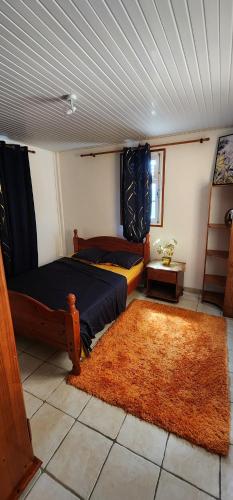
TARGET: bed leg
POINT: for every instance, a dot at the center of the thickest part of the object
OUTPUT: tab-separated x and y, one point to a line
73	334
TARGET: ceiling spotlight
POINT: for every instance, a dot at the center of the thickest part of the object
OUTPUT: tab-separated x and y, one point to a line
71	100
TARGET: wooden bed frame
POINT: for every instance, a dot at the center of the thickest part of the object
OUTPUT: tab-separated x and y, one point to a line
112	244
61	328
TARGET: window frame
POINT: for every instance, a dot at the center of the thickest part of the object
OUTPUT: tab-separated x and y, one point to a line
162	166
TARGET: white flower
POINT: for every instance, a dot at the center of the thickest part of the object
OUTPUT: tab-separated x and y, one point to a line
165	248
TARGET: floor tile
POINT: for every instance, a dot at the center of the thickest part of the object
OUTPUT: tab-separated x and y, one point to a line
231	386
126	476
229	324
230	340
99	335
30	485
22	342
103	417
209	309
40	350
27	365
49	426
93	343
44	380
165	302
46	487
170	487
134	295
188	301
69	399
168	303
187	304
227	476
191	296
143	438
193	464
230	361
231	432
62	360
138	295
79	459
32	403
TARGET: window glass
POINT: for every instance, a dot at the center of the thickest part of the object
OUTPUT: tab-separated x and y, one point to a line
157	187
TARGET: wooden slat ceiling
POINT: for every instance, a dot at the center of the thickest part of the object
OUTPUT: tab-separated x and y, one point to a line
140	68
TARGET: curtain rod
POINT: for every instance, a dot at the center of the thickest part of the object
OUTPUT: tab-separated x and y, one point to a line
154	146
13	145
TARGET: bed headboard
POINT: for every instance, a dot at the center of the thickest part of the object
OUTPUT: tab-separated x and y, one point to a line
112	243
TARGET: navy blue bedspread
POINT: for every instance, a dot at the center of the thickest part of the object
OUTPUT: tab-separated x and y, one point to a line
101	295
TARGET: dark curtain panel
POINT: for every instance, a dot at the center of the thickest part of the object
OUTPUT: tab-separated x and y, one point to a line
136	192
17	214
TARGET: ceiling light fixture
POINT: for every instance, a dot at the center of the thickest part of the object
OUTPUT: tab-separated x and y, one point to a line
71	101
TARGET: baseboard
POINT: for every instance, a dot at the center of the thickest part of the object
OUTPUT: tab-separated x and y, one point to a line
192	290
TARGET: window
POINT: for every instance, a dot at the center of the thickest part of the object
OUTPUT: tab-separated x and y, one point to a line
158	178
157	172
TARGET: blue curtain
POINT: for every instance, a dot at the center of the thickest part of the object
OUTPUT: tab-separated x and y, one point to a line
136	192
18	235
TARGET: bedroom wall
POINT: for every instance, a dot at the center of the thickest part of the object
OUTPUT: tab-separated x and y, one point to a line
43	168
90	197
48	206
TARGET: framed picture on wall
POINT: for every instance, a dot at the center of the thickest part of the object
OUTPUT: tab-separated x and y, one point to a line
223	172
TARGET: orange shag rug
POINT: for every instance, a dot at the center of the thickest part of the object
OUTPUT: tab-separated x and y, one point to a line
168	366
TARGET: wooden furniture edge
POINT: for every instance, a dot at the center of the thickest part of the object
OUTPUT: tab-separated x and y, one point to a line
228	296
59	328
18	463
111	243
24	482
168	277
223	299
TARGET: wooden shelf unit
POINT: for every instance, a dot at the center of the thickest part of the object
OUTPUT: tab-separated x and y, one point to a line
222	292
215	279
218	226
18	464
222	254
216	298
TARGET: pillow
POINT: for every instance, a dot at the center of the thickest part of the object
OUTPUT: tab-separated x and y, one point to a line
122	259
93	254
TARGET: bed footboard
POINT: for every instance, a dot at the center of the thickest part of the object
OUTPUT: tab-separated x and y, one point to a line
60	329
73	334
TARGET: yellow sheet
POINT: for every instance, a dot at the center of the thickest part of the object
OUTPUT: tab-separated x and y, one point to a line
128	273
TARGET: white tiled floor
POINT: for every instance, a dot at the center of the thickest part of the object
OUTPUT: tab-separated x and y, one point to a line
91	450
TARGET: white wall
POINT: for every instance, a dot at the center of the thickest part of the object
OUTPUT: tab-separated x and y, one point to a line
90	194
46	200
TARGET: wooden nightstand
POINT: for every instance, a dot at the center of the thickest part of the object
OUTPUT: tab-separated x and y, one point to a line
165	283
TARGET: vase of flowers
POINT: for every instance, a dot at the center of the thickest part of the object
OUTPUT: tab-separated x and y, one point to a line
166	250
